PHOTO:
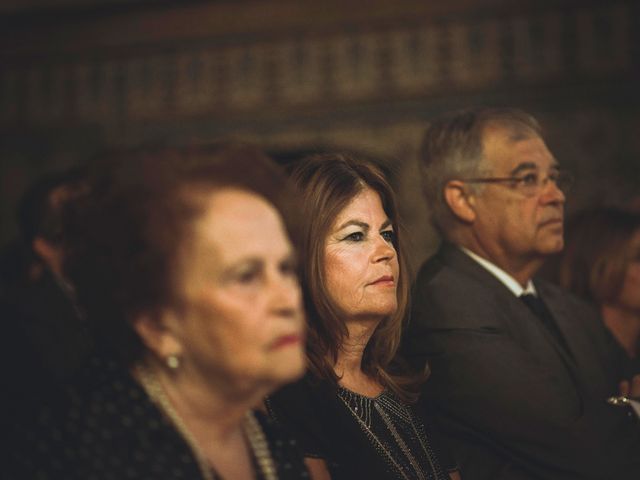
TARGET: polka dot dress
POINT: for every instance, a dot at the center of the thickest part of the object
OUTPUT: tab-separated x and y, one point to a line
105	427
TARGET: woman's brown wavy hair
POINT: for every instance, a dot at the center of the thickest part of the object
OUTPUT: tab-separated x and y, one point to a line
598	250
327	183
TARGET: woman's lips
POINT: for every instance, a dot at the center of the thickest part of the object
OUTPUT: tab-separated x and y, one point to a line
286	341
552	222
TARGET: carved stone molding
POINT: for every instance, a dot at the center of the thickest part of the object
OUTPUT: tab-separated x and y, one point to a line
368	65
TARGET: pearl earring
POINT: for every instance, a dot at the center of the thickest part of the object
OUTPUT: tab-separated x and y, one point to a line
173	362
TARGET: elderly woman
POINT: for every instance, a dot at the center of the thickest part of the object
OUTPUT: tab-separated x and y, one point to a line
601	263
353	412
184	266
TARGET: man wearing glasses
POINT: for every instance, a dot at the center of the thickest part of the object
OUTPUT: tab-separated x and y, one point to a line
520	370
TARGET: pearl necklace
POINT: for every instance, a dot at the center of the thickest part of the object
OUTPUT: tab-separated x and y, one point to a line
252	429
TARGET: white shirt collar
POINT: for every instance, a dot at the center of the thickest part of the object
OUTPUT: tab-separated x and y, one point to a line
508	281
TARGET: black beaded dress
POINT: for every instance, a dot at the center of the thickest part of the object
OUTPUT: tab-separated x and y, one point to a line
104	426
359	436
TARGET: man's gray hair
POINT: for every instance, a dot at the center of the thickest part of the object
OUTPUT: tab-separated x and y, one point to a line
452	148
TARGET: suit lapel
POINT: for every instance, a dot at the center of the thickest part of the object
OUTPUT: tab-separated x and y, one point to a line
578	341
523	325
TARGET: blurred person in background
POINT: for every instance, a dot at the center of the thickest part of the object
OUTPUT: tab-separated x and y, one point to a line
354	412
183	263
46	339
601	263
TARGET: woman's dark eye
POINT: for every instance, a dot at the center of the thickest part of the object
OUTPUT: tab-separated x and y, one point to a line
289	268
355	237
248	276
388	235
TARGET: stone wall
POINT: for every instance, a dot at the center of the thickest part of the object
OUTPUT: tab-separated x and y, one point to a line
367	82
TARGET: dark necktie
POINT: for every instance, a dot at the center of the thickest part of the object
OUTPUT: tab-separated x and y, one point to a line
540	310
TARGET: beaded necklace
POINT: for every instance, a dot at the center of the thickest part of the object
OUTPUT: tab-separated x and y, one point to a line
252	430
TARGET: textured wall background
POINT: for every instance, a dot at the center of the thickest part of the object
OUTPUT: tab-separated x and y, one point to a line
299	75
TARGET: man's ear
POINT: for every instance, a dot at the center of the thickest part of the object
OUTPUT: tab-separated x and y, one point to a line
159	334
461	203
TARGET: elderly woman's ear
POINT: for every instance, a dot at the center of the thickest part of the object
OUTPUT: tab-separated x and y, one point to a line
159	334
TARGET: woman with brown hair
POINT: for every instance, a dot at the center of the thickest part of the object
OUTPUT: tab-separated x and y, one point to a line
601	263
353	412
182	262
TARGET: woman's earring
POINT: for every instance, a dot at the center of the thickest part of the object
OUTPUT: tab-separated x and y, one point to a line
173	362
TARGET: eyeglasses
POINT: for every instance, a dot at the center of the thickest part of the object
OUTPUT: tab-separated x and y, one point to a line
532	183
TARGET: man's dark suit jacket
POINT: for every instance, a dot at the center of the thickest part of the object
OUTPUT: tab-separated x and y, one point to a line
511	402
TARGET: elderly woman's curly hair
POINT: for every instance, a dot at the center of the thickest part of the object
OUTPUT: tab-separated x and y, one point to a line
125	235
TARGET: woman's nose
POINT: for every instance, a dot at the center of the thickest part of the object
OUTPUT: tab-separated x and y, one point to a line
286	294
384	250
